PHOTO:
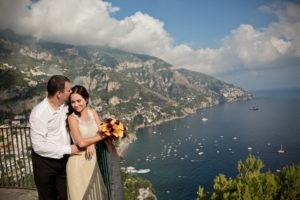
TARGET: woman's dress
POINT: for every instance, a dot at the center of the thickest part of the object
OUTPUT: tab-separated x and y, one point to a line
84	178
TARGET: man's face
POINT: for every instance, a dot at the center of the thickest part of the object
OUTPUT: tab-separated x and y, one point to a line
64	96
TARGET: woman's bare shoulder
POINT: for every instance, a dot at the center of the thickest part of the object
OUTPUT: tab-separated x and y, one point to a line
93	111
71	117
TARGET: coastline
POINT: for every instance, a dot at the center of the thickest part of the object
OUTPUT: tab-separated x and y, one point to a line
225	121
123	146
131	137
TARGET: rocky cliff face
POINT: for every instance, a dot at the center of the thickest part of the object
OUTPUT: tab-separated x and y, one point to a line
137	89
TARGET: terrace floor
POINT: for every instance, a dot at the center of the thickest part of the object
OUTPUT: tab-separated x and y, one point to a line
18	194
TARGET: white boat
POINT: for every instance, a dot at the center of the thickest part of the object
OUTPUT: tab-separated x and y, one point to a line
204	119
143	171
281	150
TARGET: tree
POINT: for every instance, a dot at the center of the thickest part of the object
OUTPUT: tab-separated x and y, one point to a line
252	184
201	194
289	181
252	165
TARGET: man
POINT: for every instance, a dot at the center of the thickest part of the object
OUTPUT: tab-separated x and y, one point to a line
51	141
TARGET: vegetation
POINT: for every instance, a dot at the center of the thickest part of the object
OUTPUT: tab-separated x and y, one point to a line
122	84
132	184
252	184
11	78
139	90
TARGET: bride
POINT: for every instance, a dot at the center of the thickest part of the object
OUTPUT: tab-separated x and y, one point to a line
83	173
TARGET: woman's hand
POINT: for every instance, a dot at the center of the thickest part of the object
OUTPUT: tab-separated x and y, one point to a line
90	150
101	135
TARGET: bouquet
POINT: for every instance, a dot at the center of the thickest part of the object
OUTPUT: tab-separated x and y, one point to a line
113	128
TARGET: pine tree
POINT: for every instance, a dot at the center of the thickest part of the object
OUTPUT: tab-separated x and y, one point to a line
252	184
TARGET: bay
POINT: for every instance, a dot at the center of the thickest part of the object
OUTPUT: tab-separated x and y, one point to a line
183	154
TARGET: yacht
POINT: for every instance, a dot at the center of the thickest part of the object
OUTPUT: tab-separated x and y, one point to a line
254	108
204	119
281	150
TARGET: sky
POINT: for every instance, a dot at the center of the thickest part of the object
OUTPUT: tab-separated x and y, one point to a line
252	44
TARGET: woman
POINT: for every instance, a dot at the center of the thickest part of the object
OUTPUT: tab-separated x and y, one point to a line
83	174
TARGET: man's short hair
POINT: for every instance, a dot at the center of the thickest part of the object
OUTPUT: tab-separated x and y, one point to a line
56	83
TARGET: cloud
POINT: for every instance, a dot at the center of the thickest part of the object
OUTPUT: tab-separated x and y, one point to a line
91	22
141	33
70	21
288	25
275	46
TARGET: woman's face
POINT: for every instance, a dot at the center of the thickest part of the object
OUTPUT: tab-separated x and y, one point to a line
78	103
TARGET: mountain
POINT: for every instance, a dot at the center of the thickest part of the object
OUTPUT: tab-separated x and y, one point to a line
138	89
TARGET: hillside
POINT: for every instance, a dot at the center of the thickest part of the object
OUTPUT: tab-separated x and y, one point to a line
138	89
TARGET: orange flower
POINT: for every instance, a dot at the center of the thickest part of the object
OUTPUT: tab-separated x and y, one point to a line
113	128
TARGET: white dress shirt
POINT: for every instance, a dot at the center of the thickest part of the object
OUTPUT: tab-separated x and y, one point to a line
48	132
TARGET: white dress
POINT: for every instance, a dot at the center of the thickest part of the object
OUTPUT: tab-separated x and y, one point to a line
84	178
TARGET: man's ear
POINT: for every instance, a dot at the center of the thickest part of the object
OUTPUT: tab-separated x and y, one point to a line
58	94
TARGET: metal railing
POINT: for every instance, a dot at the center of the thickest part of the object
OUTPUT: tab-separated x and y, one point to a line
15	159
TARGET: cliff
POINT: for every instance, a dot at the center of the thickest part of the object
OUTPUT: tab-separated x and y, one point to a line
140	90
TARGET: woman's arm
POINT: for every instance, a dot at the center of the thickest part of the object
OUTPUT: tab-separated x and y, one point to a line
75	132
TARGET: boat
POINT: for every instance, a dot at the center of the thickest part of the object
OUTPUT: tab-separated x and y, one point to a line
254	108
204	119
281	150
143	171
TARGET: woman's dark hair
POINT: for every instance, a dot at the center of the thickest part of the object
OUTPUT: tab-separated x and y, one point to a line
78	89
82	91
56	83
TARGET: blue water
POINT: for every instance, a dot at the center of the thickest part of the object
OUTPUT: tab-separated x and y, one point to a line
171	150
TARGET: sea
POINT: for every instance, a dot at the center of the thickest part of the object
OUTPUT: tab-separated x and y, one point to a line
180	155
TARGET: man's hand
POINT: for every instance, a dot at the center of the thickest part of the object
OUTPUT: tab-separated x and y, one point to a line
75	150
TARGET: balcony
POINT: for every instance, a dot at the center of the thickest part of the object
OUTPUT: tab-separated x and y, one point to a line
16	170
15	158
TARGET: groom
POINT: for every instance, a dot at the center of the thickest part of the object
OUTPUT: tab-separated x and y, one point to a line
51	141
